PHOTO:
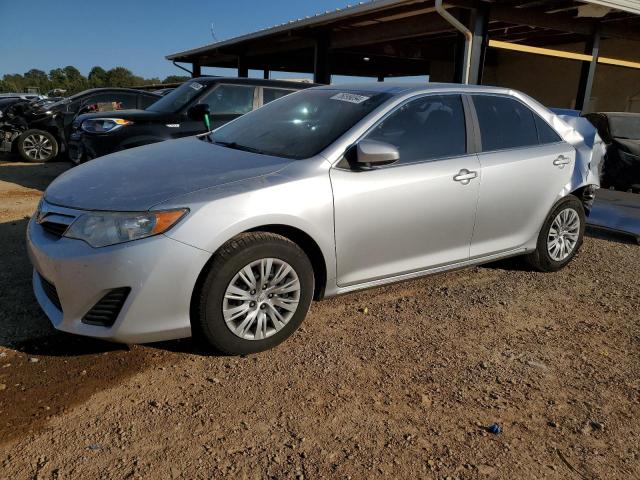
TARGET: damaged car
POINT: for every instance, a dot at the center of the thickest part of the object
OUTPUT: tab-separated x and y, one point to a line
179	113
39	131
228	236
621	132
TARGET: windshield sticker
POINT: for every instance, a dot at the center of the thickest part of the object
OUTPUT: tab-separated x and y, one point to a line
350	97
195	85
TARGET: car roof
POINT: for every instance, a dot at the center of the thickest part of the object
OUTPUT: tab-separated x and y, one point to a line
255	81
395	87
112	89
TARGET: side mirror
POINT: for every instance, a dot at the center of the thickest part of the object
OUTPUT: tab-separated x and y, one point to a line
373	152
200	112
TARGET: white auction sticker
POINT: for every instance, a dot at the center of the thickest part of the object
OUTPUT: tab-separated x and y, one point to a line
196	85
350	97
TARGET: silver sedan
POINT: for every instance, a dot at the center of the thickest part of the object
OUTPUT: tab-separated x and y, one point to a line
230	235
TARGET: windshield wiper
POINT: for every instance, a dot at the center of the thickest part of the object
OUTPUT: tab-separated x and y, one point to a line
237	146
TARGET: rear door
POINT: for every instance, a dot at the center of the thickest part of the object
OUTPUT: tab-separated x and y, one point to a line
417	213
525	165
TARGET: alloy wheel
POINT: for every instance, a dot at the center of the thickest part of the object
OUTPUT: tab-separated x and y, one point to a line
261	299
37	147
563	234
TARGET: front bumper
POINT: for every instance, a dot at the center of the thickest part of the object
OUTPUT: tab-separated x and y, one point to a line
84	146
160	271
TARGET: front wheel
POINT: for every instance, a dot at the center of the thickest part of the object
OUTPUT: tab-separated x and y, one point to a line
37	146
561	236
256	293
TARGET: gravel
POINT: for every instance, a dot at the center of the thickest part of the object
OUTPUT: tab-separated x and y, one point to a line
401	381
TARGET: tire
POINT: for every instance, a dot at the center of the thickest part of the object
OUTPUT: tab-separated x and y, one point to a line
37	146
550	258
217	324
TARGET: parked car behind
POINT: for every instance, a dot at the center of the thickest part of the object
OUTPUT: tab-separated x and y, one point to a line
621	132
229	235
41	132
6	102
174	116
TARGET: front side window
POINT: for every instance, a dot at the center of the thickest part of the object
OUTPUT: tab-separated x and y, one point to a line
179	98
299	125
229	100
428	128
108	102
504	123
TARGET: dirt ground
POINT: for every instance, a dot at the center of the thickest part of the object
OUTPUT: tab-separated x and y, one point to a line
396	382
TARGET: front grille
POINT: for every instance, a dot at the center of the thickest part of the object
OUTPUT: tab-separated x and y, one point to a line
105	312
51	292
54	228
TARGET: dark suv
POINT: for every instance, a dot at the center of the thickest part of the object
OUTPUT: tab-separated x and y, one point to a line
177	114
40	131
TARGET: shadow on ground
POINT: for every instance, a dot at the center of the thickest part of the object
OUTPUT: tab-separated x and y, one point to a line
611	236
30	175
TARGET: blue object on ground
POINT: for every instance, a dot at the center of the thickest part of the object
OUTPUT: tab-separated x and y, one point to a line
616	211
494	428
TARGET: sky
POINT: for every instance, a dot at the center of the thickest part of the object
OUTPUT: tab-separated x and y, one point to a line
136	34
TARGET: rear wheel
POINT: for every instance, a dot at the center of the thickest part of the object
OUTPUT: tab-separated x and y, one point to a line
256	293
561	236
37	146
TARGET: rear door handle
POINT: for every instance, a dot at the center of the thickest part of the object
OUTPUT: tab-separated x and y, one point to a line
464	176
561	161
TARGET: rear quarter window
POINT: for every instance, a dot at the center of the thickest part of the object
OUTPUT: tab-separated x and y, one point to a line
546	134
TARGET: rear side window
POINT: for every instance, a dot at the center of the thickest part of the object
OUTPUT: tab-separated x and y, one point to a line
271	94
424	129
147	100
504	123
546	134
230	99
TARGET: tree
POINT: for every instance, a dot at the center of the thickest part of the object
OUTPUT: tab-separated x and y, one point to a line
70	79
58	78
175	79
120	77
75	81
37	78
97	77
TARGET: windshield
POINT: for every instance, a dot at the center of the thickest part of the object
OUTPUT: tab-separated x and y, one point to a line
178	98
625	126
299	125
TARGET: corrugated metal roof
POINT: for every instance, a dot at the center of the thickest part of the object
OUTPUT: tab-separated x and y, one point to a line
631	6
315	20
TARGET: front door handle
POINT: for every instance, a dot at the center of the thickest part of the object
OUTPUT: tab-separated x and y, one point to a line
561	161
464	176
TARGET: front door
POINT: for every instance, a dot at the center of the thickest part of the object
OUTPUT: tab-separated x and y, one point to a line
418	213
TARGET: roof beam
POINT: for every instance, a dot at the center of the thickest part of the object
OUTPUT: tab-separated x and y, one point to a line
562	22
417	26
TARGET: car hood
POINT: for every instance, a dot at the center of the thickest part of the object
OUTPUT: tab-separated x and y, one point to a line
133	115
139	178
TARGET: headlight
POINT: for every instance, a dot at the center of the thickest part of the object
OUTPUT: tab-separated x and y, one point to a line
100	229
104	125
